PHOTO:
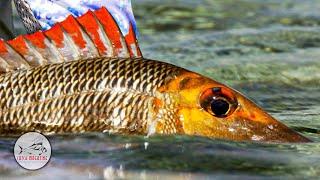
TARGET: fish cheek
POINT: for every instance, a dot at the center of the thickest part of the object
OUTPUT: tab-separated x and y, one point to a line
198	122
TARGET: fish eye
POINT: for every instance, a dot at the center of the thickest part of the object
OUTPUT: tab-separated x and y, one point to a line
217	102
219	107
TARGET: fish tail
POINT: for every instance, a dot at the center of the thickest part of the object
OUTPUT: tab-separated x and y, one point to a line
21	149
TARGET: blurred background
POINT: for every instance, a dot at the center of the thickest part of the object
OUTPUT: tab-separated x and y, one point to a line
269	50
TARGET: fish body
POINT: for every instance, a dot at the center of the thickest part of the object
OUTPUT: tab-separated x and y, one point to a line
105	94
124	96
87	74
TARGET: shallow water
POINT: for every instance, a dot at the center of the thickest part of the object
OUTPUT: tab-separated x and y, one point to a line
269	50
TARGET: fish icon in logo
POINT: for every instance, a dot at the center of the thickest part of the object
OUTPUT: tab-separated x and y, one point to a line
36	148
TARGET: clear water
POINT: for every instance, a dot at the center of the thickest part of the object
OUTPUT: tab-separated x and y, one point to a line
269	50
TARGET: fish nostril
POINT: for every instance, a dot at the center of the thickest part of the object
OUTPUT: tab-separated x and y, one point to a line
216	89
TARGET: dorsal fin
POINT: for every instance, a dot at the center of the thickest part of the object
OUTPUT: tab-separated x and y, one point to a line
94	33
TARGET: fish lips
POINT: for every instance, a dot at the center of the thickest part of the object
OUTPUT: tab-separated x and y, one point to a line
258	125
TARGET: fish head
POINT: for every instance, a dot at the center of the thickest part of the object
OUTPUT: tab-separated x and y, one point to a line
205	107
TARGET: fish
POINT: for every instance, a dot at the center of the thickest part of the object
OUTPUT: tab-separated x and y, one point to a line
86	73
37	148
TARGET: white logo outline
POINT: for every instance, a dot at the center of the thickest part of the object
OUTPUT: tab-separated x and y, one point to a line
32	151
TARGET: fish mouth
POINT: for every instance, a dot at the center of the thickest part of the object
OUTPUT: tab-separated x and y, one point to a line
272	132
261	126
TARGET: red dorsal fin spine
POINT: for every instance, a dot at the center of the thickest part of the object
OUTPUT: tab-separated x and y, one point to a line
13	60
132	43
27	51
113	32
94	34
97	34
80	38
66	46
45	47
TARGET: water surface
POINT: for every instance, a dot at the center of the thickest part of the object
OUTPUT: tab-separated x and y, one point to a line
269	50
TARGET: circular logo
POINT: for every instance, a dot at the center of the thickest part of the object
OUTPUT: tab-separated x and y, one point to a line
32	151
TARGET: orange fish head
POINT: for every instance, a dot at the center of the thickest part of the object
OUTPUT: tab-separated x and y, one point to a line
205	107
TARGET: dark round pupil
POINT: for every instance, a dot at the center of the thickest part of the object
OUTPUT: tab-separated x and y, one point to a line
219	107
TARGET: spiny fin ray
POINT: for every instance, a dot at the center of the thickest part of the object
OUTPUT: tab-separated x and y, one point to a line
94	34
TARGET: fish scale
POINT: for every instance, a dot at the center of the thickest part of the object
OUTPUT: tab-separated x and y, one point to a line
87	95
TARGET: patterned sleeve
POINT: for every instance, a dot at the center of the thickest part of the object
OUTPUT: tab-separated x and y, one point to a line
49	12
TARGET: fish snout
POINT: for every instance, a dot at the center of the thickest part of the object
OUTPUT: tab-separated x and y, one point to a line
260	126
